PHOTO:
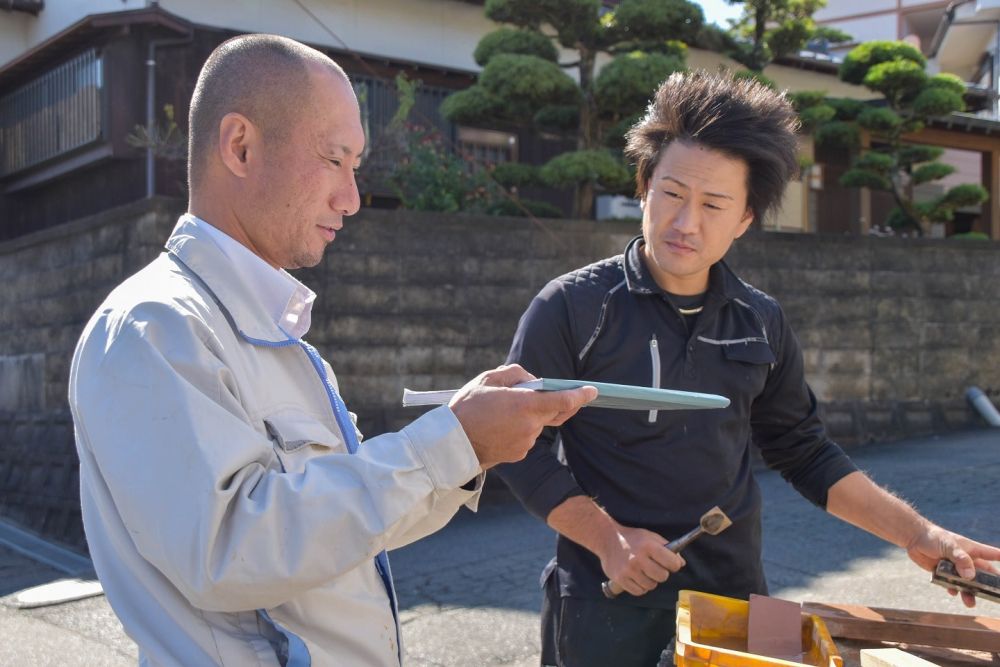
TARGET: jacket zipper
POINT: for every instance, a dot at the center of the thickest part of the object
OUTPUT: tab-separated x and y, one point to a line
654	355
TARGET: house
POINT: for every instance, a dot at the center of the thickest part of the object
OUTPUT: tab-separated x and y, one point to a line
959	37
77	79
914	21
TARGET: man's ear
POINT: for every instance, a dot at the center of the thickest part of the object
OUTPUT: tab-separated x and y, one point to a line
744	223
237	138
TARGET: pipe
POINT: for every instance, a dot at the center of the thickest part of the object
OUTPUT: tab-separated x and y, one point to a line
946	20
151	104
981	402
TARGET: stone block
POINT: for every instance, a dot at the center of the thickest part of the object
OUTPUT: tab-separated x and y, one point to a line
918	419
835	335
880	423
840	424
359	298
896	284
22	383
894	308
897	334
449	360
106	270
428	301
845	387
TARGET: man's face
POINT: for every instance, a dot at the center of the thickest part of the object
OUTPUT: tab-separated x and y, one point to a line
695	207
305	186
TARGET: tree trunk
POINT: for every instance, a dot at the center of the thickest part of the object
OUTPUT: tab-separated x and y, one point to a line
583	201
587	136
904	202
759	28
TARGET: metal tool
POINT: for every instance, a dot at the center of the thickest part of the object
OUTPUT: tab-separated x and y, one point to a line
986	585
713	522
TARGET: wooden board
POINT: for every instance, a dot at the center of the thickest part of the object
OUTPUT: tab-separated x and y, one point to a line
891	657
850	651
980	633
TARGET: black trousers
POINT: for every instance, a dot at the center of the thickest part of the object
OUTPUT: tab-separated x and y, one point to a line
580	632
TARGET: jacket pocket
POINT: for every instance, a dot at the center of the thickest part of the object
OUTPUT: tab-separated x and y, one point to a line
749	365
297	438
749	353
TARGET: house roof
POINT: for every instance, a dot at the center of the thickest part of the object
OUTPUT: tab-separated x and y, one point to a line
83	33
968	122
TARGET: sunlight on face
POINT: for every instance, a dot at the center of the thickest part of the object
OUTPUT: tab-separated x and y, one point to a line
695	207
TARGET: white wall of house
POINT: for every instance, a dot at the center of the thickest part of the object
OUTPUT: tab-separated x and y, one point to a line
20	32
842	8
866	29
786	77
433	32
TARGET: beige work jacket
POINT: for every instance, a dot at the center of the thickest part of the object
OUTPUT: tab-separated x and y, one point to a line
224	514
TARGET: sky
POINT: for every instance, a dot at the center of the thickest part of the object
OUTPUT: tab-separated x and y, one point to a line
717	11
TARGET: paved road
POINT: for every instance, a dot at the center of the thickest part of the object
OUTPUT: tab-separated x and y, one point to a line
469	594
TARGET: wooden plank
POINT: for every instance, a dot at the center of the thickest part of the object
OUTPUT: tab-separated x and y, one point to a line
980	633
850	651
892	657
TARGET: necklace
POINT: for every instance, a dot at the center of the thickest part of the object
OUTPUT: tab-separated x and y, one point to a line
690	311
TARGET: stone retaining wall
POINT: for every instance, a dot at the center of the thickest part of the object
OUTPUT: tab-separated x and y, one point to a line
893	330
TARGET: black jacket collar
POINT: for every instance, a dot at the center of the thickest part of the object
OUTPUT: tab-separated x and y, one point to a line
722	281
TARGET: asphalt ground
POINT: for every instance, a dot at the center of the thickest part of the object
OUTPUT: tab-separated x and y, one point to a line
469	594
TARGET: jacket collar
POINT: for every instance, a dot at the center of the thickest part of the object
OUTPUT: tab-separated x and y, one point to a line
193	246
722	281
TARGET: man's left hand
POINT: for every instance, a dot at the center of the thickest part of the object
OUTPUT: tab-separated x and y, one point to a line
936	543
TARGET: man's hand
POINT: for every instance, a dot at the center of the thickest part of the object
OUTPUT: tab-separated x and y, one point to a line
858	500
638	560
936	543
503	423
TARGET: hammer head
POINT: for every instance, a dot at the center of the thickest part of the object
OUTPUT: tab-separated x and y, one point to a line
714	521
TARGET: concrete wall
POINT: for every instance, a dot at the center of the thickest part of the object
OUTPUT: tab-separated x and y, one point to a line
893	330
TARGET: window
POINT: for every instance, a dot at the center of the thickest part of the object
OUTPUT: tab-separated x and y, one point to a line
58	112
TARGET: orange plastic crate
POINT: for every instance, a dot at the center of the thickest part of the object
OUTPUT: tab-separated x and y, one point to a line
712	632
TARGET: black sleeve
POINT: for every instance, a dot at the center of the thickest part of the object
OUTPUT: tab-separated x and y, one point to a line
543	345
787	427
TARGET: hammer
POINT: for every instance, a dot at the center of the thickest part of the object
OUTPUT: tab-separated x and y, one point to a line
713	522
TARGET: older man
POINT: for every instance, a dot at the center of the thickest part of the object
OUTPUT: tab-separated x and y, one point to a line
230	512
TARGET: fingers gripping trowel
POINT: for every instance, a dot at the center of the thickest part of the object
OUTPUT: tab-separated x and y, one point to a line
713	522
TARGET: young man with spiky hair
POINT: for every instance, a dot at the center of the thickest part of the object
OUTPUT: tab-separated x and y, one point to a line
712	154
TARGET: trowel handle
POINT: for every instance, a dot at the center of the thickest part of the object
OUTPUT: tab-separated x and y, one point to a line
685	539
612	590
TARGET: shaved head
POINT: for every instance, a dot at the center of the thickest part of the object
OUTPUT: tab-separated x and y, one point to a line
265	78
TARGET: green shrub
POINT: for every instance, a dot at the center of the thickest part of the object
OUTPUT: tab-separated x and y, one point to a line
863	57
515	40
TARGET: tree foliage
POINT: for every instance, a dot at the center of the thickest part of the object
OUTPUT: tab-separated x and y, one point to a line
522	83
770	29
896	70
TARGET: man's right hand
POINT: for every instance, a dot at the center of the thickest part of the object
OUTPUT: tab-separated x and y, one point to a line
638	560
503	423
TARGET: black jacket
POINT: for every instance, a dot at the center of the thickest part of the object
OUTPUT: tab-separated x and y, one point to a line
611	322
